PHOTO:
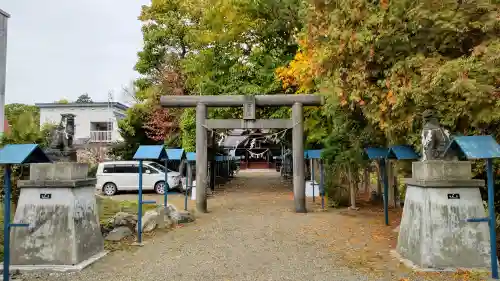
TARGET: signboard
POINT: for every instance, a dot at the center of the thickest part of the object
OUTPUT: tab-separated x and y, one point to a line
45	195
453	196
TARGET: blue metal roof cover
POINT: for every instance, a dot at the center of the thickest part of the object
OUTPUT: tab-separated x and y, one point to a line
146	152
376	152
23	154
402	152
191	156
314	154
176	153
475	147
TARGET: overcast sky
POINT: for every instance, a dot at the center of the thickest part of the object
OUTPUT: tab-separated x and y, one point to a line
63	48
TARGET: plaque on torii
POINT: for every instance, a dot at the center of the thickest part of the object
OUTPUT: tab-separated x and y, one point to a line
249	108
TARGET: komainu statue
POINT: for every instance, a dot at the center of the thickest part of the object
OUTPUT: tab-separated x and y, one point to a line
435	138
61	145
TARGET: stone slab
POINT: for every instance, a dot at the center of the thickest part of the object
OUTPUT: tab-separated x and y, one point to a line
445	184
58	171
434	234
57	183
435	170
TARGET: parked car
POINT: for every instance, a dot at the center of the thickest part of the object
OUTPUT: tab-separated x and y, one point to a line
123	175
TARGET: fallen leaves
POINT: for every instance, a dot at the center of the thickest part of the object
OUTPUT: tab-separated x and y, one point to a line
364	244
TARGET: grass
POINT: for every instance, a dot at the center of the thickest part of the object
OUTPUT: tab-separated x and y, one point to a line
107	209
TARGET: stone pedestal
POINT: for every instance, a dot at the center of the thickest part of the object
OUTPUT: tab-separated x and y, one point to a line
64	233
433	231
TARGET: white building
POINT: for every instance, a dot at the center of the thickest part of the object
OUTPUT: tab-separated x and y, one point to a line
95	122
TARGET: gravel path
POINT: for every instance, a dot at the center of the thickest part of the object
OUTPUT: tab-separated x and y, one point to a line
252	234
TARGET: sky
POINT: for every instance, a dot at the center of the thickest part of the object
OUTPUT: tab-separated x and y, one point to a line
61	49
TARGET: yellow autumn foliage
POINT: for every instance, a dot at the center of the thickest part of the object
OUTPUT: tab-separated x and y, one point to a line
298	73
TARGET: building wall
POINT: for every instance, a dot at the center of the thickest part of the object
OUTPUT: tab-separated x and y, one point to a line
84	116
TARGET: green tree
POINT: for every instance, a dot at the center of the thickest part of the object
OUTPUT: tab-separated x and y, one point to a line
25	129
132	130
390	60
84	98
14	110
63	101
215	47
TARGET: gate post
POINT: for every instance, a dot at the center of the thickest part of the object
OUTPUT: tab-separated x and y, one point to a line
201	158
299	185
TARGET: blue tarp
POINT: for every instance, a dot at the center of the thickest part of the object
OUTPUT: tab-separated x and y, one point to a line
191	156
475	147
314	154
22	154
176	154
147	152
376	152
402	152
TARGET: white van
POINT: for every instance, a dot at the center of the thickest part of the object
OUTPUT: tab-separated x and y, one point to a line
123	175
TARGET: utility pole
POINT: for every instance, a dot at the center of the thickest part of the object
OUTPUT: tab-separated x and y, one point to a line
3	66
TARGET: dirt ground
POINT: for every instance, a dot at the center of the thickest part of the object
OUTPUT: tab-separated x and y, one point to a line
252	233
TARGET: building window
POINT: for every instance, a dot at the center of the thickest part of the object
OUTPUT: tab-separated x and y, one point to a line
101	126
101	131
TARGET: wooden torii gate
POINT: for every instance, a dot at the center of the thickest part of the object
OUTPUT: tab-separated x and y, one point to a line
249	121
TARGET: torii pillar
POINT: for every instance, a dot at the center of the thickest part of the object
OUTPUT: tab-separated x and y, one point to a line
249	121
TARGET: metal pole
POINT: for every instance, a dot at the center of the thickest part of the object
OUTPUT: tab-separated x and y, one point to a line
188	185
3	64
299	184
491	212
201	158
6	224
383	174
139	207
167	187
312	177
322	184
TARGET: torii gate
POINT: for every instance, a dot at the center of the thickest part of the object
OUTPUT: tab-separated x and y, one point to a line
249	104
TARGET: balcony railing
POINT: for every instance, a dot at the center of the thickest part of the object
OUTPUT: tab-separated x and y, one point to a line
100	136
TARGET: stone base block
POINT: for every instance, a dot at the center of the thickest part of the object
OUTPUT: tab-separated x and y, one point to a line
63	230
58	171
432	170
434	234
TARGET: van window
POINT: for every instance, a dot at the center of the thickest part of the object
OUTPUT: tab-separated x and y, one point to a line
126	169
159	167
147	168
108	169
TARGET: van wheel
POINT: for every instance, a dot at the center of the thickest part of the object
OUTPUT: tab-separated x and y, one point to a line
160	187
109	189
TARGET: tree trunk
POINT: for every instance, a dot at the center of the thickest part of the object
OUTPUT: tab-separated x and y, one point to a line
366	181
352	187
